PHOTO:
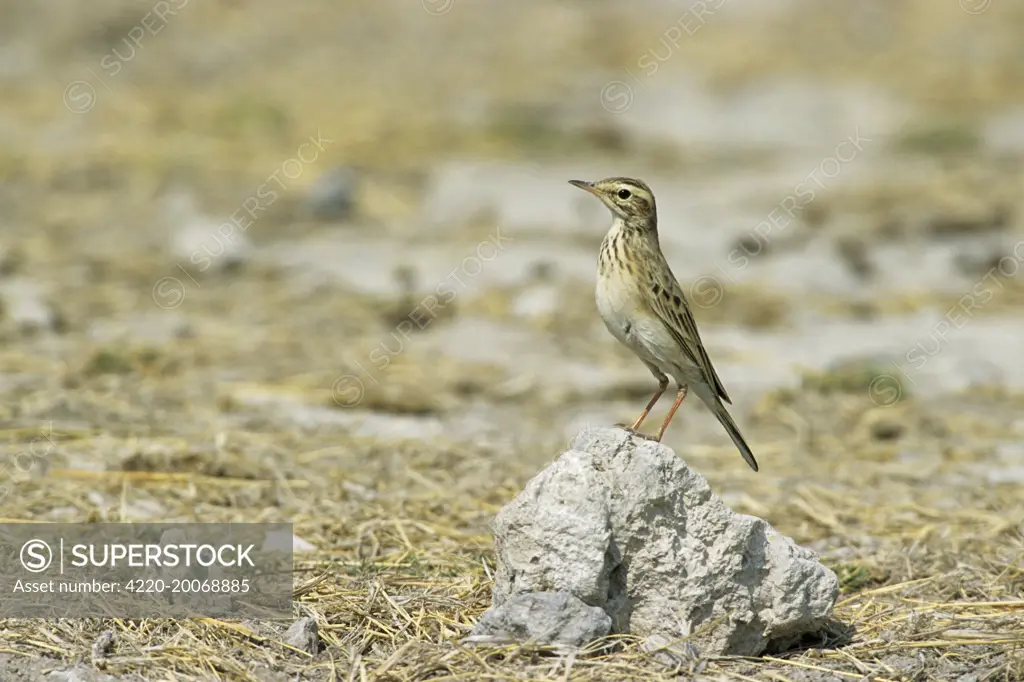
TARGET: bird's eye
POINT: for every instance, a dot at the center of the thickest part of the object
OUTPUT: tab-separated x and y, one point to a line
624	194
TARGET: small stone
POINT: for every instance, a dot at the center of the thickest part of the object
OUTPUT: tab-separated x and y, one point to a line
542	618
332	196
624	525
304	634
104	644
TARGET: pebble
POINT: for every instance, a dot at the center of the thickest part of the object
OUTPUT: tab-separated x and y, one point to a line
304	634
332	196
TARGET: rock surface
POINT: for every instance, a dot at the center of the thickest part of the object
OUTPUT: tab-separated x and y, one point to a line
623	524
543	618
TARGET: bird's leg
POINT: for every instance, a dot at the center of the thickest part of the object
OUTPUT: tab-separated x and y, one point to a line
662	386
680	397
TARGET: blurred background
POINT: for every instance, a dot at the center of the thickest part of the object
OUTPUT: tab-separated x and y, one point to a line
333	242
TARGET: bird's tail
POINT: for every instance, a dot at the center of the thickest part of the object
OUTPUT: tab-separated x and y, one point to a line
718	409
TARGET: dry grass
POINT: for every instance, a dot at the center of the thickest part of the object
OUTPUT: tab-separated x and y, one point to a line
930	558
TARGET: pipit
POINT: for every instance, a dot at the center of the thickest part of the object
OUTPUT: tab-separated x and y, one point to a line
644	307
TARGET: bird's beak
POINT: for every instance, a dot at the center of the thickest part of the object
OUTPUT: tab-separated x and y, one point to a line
585	186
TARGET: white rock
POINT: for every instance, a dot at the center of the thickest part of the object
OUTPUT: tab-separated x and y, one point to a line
542	618
623	524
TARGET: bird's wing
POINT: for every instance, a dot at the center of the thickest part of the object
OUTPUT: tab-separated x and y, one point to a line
669	304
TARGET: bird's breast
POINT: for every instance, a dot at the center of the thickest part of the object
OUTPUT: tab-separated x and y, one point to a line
618	305
632	322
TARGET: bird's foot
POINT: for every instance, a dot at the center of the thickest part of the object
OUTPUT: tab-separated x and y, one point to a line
628	428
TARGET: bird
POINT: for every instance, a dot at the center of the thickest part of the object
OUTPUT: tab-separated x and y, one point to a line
645	309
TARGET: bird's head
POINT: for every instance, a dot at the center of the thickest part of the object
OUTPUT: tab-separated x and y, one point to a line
627	198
